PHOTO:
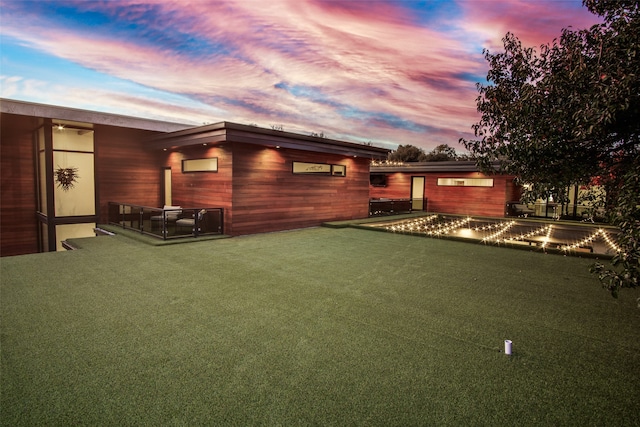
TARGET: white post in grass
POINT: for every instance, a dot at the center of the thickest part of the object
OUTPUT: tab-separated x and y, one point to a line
507	347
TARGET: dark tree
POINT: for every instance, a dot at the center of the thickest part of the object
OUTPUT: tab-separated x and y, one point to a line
441	153
407	153
571	114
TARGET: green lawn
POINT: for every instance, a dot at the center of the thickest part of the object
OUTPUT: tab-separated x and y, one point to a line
313	327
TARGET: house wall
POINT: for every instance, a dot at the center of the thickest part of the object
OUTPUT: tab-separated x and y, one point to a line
482	201
398	186
259	191
18	225
203	189
268	196
127	171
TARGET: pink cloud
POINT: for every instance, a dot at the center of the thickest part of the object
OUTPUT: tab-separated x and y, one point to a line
356	56
533	22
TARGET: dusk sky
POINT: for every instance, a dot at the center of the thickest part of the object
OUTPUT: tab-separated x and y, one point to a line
385	71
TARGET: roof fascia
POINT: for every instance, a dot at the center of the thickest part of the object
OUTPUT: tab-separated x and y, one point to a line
234	132
30	109
425	167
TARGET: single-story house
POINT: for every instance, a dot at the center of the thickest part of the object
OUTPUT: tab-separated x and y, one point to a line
61	168
455	187
268	180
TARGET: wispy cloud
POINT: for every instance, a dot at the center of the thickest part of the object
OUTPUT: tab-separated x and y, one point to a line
394	71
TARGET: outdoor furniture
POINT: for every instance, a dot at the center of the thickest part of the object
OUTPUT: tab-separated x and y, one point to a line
190	222
520	209
170	215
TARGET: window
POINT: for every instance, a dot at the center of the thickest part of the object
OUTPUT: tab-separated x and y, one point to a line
338	170
465	182
319	169
200	165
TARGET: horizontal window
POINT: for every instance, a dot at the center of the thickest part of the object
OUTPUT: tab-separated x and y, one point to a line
465	182
200	165
319	169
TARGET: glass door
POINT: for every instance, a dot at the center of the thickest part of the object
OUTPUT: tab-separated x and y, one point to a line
417	193
166	179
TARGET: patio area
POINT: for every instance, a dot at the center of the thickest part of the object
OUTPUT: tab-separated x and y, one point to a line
560	237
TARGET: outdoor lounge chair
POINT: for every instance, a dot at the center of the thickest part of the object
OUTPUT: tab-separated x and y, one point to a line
190	222
522	210
170	216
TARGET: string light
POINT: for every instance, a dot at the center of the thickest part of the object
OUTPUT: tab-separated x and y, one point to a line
448	227
530	234
504	227
587	240
422	225
386	163
609	241
546	238
412	225
436	225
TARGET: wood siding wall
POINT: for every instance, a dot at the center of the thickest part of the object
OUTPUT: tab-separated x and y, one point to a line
268	196
481	201
254	184
259	192
398	187
127	171
203	189
18	224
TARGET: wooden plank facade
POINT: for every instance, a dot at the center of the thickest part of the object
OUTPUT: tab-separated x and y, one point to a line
265	180
254	181
18	226
124	169
394	182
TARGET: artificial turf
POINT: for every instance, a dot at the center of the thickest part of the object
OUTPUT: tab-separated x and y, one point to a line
313	327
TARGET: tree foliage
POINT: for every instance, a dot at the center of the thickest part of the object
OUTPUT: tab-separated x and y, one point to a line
407	153
441	153
411	153
569	114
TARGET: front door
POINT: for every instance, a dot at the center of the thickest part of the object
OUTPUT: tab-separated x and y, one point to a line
167	186
417	193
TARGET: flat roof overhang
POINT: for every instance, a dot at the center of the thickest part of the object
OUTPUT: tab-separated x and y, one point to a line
424	167
233	132
30	109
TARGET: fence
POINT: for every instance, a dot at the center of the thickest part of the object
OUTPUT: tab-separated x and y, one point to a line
380	207
167	223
